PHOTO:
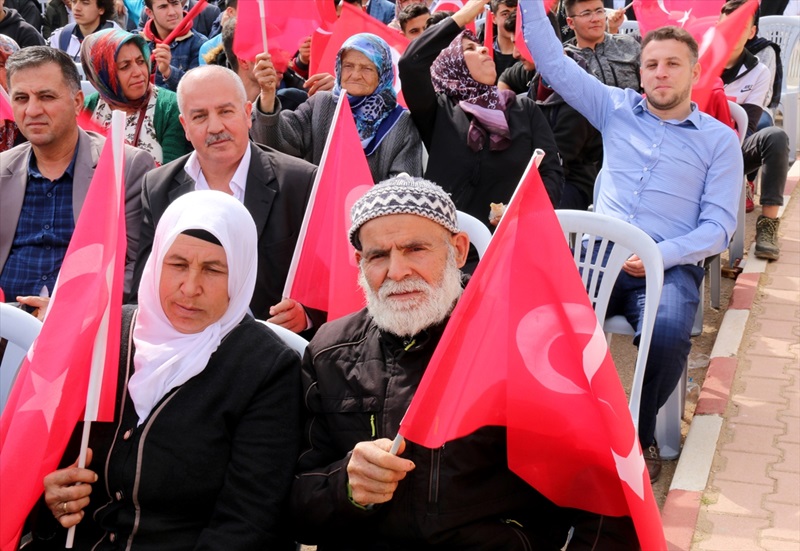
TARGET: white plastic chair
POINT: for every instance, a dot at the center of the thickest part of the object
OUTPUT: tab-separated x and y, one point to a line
20	329
736	249
289	338
784	30
479	234
599	280
630	27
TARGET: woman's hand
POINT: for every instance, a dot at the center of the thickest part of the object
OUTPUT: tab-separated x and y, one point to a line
39	303
319	82
66	492
471	10
163	57
289	314
267	78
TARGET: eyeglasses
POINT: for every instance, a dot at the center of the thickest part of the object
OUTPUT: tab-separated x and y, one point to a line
599	12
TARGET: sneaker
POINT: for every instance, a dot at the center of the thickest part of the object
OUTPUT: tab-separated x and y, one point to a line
750	191
767	238
652	458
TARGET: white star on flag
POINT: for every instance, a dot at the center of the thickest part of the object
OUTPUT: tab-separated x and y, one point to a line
46	397
631	469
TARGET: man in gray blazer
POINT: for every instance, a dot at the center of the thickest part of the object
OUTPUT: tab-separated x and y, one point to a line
273	186
43	183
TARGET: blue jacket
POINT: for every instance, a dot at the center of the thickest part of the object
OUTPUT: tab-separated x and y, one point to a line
382	10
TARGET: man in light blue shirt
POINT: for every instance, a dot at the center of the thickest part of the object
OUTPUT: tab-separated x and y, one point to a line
668	169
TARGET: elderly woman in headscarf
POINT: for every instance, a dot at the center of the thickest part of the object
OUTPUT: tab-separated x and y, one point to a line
479	138
9	133
117	64
364	72
202	451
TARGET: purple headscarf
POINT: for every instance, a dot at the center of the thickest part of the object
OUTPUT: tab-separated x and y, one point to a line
486	103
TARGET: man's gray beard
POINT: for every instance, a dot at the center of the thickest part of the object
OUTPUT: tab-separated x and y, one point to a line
409	318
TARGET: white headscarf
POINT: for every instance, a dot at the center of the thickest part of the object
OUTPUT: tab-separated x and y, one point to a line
166	358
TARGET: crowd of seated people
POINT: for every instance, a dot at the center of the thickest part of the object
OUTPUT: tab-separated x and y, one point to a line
221	158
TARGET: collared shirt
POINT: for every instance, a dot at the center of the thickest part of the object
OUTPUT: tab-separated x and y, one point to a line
43	232
679	181
238	183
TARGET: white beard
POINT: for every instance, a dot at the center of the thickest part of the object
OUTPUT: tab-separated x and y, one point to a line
409	318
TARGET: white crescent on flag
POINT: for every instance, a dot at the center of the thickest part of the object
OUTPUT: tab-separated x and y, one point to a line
534	345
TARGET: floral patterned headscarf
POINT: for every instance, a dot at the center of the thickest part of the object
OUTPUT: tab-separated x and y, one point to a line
370	111
99	59
486	103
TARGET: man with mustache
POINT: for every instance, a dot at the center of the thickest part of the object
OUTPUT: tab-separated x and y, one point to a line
274	187
359	375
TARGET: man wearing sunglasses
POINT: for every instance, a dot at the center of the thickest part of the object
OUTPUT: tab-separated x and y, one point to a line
612	58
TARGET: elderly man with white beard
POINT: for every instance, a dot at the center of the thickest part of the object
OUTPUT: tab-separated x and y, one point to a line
359	375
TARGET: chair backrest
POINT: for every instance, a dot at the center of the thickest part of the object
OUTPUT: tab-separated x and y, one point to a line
20	329
784	30
630	27
740	117
290	339
479	234
623	239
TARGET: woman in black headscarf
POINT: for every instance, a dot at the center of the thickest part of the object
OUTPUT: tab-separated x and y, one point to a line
479	138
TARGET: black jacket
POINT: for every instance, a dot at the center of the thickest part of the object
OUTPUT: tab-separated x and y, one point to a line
22	32
211	466
474	179
277	190
358	382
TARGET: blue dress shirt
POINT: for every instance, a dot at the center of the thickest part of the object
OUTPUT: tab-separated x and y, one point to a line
678	180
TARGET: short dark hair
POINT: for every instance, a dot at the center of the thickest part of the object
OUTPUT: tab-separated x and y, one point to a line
510	24
232	4
732	5
495	4
109	9
149	3
37	56
673	33
410	12
569	4
438	17
228	30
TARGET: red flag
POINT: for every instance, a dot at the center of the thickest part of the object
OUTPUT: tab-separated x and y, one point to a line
652	14
716	44
6	113
353	21
185	23
323	273
488	33
523	349
453	6
287	26
50	391
319	43
519	38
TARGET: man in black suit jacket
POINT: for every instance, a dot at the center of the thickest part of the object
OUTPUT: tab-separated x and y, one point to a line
274	187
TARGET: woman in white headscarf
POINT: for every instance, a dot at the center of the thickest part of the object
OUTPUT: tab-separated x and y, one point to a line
203	450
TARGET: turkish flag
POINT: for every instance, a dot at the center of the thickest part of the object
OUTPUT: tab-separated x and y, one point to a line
323	274
287	25
6	113
652	14
80	336
452	6
717	41
523	349
353	21
519	38
488	34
